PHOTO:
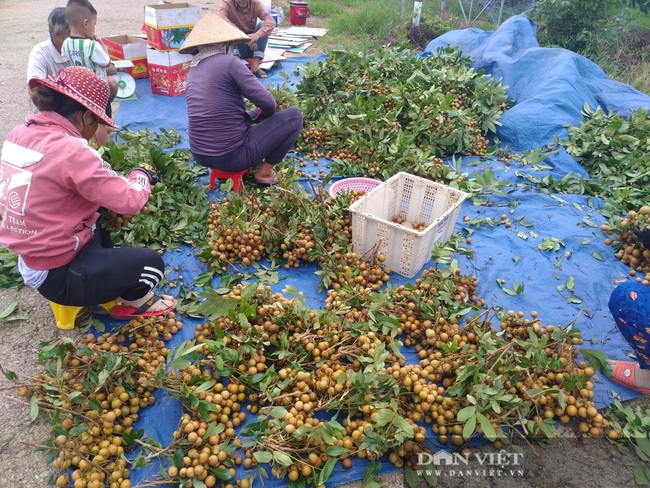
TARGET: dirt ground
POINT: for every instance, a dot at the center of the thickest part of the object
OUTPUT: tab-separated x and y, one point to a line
571	462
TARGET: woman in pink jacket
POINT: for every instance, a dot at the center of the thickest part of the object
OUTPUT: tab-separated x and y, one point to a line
52	184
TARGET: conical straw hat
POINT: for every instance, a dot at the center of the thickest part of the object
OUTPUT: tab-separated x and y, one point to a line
211	29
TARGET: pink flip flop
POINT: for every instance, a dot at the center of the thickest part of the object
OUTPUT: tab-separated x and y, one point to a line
130	312
623	374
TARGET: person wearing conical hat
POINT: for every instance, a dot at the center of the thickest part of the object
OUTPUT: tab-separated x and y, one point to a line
222	134
243	14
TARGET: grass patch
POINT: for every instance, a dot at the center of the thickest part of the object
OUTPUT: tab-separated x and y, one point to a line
370	26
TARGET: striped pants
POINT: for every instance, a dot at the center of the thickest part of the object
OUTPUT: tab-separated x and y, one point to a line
101	273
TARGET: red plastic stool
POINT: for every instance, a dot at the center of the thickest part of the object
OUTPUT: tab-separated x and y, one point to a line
237	183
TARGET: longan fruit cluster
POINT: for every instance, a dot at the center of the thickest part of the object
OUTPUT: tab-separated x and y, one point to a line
629	248
89	434
230	243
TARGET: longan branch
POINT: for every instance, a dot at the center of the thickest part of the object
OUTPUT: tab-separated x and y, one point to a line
49	407
160	451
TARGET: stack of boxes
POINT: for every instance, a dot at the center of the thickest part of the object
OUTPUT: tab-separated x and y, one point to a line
166	26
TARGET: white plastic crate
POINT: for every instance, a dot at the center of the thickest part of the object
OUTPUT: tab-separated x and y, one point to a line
414	199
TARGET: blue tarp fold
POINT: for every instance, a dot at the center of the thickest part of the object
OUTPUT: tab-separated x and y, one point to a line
550	85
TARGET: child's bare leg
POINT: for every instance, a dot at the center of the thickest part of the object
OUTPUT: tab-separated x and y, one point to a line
112	85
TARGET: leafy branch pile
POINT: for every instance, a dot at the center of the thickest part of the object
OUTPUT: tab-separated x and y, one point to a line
389	111
295	364
178	206
91	395
289	226
629	248
9	275
327	385
631	429
615	151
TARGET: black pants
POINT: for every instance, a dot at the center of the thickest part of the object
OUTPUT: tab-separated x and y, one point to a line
270	140
101	273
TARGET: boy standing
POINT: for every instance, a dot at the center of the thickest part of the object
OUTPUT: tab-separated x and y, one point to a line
83	48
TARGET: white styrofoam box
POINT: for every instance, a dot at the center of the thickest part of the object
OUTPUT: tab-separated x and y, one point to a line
167	58
414	199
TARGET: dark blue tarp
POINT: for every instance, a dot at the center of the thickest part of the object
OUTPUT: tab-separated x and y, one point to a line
549	88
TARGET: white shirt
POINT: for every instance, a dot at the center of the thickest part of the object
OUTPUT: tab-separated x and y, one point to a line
87	53
45	60
33	278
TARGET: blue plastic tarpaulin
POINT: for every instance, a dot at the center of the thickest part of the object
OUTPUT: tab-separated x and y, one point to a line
570	285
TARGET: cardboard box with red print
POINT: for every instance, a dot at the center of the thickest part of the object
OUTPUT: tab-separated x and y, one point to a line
168	24
168	71
133	48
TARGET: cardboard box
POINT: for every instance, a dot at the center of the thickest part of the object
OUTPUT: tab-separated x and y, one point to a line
133	48
168	71
167	25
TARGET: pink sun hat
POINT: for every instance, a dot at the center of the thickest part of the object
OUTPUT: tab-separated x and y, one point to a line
82	85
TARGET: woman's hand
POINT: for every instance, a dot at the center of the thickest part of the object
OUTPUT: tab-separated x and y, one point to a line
152	176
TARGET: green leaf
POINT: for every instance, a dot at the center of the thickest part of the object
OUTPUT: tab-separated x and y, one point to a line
469	427
597	360
326	472
598	256
570	283
430	476
336	451
206	385
384	415
179	364
488	429
263	456
278	412
289	290
466	413
33	408
197	483
282	459
222	474
406	428
640	477
9	309
411	476
640	452
79	429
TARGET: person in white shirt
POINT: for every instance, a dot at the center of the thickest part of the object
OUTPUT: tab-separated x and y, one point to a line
46	58
84	48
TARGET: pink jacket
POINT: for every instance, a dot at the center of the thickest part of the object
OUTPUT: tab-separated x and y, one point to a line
52	184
